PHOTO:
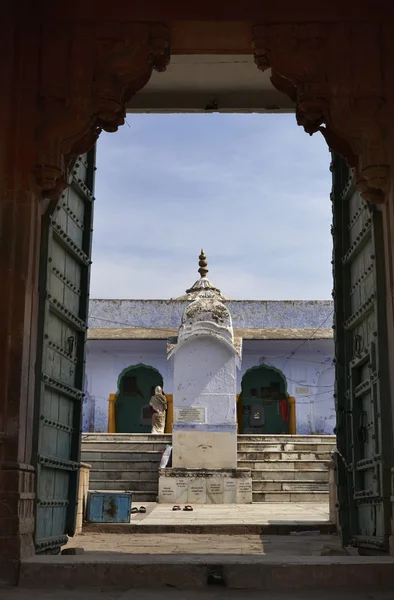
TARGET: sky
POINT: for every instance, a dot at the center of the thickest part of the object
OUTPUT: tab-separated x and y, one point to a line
253	190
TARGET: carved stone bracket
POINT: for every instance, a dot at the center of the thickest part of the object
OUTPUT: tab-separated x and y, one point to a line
100	73
337	89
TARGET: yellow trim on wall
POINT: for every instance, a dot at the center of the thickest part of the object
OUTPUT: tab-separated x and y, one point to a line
111	413
292	416
170	413
239	413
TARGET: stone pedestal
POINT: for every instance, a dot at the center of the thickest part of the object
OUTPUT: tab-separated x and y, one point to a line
205	486
205	446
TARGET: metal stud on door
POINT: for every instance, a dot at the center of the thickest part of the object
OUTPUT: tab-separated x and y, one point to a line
364	433
64	292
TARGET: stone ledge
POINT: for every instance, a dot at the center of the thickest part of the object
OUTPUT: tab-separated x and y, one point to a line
192	571
141	527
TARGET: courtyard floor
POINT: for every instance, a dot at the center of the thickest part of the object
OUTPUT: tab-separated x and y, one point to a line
222	518
178	543
105	538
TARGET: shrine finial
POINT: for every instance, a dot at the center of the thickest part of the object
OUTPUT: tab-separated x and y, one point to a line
203	264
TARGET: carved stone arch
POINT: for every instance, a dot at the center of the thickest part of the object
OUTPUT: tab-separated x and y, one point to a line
120	62
320	67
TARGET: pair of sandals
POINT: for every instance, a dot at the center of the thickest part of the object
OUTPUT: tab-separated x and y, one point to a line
187	508
135	510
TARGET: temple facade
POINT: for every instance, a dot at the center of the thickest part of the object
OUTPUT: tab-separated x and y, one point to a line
287	353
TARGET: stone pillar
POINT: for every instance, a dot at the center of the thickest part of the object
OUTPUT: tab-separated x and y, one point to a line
205	376
19	242
112	413
20	222
204	429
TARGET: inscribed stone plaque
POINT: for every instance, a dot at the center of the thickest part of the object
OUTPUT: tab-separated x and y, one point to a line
197	491
190	414
302	391
229	491
244	491
181	496
215	490
167	489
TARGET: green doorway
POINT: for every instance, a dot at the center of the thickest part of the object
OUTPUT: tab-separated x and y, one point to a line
264	405
136	385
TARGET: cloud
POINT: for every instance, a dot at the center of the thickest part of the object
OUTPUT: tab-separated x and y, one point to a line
253	190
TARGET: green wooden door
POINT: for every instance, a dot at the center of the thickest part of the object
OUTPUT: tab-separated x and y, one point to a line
64	293
136	387
264	387
364	433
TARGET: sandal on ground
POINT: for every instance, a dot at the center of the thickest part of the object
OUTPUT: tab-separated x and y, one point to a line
134	510
142	509
188	508
176	507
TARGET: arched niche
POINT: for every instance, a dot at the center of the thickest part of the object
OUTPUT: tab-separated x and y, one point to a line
135	387
263	406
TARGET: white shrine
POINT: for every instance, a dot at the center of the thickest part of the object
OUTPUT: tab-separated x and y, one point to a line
205	358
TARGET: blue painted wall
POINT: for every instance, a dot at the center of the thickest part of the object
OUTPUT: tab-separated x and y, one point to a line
245	313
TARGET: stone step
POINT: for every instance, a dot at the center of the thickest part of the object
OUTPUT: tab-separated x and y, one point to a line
286	438
284	465
285	485
149	455
128	437
127	475
123	446
137	496
242	438
293	496
118	465
125	485
284	447
304	475
266	455
304	576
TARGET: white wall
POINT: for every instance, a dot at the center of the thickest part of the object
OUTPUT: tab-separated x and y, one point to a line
309	367
105	361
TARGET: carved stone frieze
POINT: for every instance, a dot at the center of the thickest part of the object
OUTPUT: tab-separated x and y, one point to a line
98	73
332	72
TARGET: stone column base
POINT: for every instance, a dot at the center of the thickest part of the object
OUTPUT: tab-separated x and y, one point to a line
205	486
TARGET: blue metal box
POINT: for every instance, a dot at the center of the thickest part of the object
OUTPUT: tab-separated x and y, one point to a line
109	507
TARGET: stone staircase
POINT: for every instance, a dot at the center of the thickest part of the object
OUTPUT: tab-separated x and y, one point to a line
127	462
285	468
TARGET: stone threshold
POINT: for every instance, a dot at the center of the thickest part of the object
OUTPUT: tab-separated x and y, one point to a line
325	528
201	571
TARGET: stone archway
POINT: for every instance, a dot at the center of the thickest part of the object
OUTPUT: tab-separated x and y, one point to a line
136	385
62	85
